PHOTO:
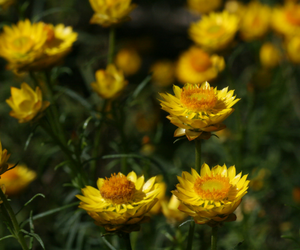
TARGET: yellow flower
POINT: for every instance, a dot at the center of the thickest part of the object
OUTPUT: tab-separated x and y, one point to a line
3	160
163	73
109	83
58	44
109	12
204	6
128	60
17	179
213	195
21	44
6	3
197	66
235	7
286	19
26	103
293	49
162	186
171	211
214	31
198	108
255	21
269	55
120	202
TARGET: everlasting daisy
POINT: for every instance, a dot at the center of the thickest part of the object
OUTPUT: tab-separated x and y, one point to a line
198	108
120	202
213	195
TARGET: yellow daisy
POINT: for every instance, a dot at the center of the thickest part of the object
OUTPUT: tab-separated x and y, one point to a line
213	195
286	19
293	49
197	66
120	202
4	156
163	73
162	186
17	179
22	44
255	21
269	55
214	31
171	211
128	60
198	108
204	6
26	103
110	12
109	83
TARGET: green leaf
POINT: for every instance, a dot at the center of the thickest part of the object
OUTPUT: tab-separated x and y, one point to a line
6	237
110	246
179	139
36	236
28	202
183	223
50	12
139	89
290	238
61	164
86	122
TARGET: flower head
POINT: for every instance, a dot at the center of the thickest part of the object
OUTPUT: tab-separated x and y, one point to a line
255	21
163	73
17	179
293	49
128	60
286	19
198	108
196	66
204	6
171	211
109	83
269	55
26	103
120	202
214	31
162	186
213	195
4	156
110	12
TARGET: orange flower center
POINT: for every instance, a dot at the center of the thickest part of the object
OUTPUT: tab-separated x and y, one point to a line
198	99
200	60
293	15
212	187
50	32
118	189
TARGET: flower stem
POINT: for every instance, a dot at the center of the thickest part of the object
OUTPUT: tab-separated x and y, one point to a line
17	231
191	235
127	242
214	238
111	44
198	155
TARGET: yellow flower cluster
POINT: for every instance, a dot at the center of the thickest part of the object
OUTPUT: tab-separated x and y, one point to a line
120	202
110	12
26	103
198	108
35	46
212	196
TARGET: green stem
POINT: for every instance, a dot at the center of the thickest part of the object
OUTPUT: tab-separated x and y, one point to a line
127	242
111	45
214	238
191	235
198	155
17	231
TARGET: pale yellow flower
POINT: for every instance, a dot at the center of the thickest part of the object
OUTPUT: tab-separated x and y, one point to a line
293	49
286	19
4	4
121	202
22	44
198	108
214	31
269	55
197	66
163	73
4	156
109	83
204	6
255	21
213	195
110	12
128	60
162	186
171	211
17	179
26	103
58	44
